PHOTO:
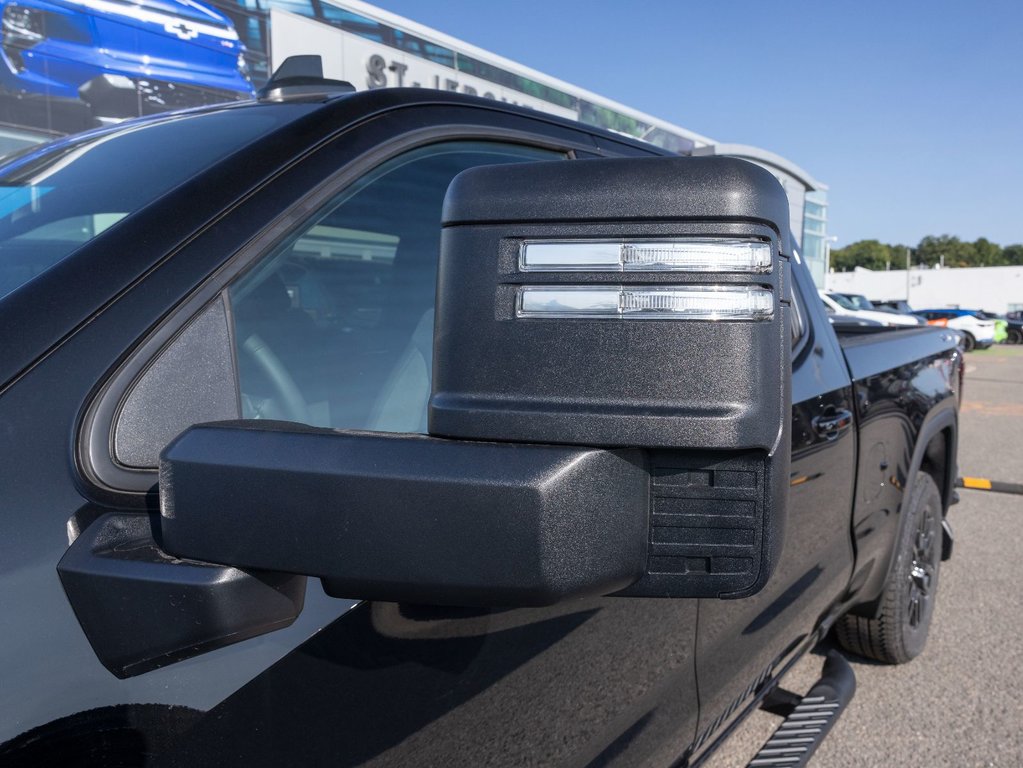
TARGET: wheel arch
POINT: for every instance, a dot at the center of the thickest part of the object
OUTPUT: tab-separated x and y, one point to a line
935	455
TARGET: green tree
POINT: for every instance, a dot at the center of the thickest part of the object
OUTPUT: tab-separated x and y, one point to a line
1013	254
899	255
931	251
956	253
870	254
987	254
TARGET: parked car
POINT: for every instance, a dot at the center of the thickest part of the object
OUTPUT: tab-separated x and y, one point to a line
841	304
410	428
1006	330
897	305
979	333
851	324
861	302
66	64
1014	332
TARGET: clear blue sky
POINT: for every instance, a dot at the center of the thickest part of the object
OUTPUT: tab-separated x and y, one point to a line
911	111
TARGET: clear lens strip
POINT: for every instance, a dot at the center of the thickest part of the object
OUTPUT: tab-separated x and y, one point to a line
683	255
617	302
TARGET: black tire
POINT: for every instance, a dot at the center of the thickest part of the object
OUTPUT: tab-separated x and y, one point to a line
899	632
1015	336
969	343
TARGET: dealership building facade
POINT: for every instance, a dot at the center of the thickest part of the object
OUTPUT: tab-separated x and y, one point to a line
167	56
373	48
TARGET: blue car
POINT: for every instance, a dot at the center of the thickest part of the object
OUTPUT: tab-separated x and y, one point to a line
72	64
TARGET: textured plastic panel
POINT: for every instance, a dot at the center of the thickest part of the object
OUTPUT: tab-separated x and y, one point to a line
191	381
141	609
707	535
408	517
630	189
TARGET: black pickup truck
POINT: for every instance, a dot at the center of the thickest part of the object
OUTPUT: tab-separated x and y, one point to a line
408	428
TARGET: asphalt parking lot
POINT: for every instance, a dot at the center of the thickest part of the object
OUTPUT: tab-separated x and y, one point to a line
961	702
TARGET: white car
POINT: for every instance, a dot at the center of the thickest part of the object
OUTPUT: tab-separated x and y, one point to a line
838	304
977	331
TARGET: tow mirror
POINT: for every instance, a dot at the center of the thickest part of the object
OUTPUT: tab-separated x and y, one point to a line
609	413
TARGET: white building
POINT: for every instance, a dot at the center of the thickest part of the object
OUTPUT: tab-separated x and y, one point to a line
995	289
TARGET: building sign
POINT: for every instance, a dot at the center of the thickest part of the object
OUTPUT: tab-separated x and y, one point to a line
368	65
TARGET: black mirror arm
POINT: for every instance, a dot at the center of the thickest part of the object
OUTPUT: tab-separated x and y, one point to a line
408	517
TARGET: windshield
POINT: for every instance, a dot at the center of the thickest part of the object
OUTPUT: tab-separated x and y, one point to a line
56	198
858	301
841	301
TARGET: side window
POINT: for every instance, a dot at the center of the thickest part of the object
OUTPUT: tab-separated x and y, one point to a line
334	327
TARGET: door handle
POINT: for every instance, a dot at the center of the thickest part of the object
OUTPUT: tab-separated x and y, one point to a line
832	425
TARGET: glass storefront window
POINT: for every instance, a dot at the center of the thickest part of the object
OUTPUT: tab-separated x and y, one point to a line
815	234
815	209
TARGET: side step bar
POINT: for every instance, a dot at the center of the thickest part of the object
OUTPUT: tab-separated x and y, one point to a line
808	719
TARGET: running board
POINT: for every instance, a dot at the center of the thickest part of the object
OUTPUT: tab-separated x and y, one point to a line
808	719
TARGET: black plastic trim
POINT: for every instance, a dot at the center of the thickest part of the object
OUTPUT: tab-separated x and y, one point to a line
811	720
631	189
408	517
142	609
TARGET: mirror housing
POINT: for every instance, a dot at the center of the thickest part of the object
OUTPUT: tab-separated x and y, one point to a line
609	413
694	366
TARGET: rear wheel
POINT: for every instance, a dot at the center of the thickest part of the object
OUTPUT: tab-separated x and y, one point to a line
1015	336
969	343
899	632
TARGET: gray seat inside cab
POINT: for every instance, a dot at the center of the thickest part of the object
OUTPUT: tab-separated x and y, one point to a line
401	404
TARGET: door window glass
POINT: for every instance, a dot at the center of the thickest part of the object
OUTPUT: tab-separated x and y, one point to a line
334	327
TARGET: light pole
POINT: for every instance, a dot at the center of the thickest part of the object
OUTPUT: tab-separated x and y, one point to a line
827	257
908	265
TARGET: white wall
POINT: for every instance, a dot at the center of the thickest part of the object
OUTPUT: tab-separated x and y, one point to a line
996	289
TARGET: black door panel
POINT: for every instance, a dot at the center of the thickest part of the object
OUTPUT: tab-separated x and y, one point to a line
741	643
398	684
